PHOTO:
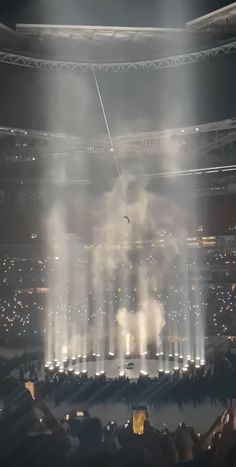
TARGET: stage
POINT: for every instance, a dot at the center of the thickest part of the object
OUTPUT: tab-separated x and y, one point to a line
132	368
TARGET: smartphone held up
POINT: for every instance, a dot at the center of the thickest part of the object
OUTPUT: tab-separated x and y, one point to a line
139	416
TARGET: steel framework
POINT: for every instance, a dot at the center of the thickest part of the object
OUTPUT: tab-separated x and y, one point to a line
158	63
207	137
222	125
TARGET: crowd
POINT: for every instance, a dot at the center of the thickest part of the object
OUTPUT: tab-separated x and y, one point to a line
213	382
216	381
167	388
24	294
31	436
23	367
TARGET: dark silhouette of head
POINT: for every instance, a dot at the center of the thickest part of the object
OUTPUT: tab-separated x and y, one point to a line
91	432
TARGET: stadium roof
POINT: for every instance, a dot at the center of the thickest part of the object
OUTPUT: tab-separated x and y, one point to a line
160	103
94	43
105	43
220	20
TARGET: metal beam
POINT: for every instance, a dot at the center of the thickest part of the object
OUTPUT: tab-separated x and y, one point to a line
199	171
156	64
140	137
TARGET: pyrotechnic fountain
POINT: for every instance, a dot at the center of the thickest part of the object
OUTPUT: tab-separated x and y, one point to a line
113	307
110	309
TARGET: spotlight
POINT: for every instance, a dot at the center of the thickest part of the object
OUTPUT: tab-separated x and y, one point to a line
98	355
51	368
58	365
176	354
122	374
84	372
189	357
202	362
127	354
70	370
77	372
79	356
111	354
197	366
167	372
73	359
176	368
84	357
157	354
185	369
61	369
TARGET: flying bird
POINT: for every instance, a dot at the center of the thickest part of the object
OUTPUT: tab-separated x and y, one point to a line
127	218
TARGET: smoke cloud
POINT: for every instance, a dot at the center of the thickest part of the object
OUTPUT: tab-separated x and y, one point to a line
150	316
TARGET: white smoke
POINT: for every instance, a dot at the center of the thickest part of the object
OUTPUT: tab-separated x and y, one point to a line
120	253
149	319
149	214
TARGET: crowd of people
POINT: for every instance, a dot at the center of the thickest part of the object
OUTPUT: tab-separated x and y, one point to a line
213	382
192	388
216	381
31	436
24	292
